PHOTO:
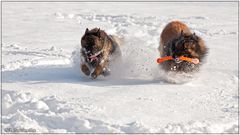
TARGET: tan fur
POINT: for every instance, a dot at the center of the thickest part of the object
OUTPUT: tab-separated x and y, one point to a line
171	31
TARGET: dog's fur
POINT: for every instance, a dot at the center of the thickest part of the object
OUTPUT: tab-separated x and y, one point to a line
177	40
97	41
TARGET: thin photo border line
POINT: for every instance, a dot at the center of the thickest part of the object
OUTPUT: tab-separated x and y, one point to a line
151	1
10	1
1	67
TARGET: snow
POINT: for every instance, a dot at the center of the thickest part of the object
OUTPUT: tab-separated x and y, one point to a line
43	88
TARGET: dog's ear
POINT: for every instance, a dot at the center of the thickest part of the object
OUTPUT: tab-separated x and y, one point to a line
86	31
98	32
181	33
195	37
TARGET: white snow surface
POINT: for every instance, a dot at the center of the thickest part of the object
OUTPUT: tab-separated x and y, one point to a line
43	88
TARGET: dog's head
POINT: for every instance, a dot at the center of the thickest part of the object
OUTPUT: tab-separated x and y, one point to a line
188	45
92	44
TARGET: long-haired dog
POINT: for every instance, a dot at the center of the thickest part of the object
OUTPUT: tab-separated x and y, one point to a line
177	40
97	50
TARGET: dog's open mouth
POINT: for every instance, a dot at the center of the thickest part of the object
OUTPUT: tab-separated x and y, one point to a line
95	57
91	58
177	60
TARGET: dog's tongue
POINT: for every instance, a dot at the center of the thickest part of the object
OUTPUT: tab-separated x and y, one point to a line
92	58
195	61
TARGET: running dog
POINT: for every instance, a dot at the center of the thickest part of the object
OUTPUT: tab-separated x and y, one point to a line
177	40
98	49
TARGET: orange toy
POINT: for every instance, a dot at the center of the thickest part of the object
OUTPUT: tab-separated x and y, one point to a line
193	60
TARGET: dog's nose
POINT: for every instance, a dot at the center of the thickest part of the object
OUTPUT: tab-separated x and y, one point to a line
89	52
174	56
186	55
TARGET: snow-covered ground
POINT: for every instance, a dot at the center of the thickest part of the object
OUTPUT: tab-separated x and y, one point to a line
43	88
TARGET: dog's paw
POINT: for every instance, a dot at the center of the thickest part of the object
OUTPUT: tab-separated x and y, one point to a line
93	76
85	70
106	72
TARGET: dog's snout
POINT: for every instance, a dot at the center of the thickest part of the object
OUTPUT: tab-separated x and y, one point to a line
174	56
88	53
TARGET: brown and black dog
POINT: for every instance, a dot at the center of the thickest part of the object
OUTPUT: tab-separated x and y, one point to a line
97	50
177	40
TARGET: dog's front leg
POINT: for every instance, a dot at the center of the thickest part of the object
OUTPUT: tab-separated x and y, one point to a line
85	69
99	69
